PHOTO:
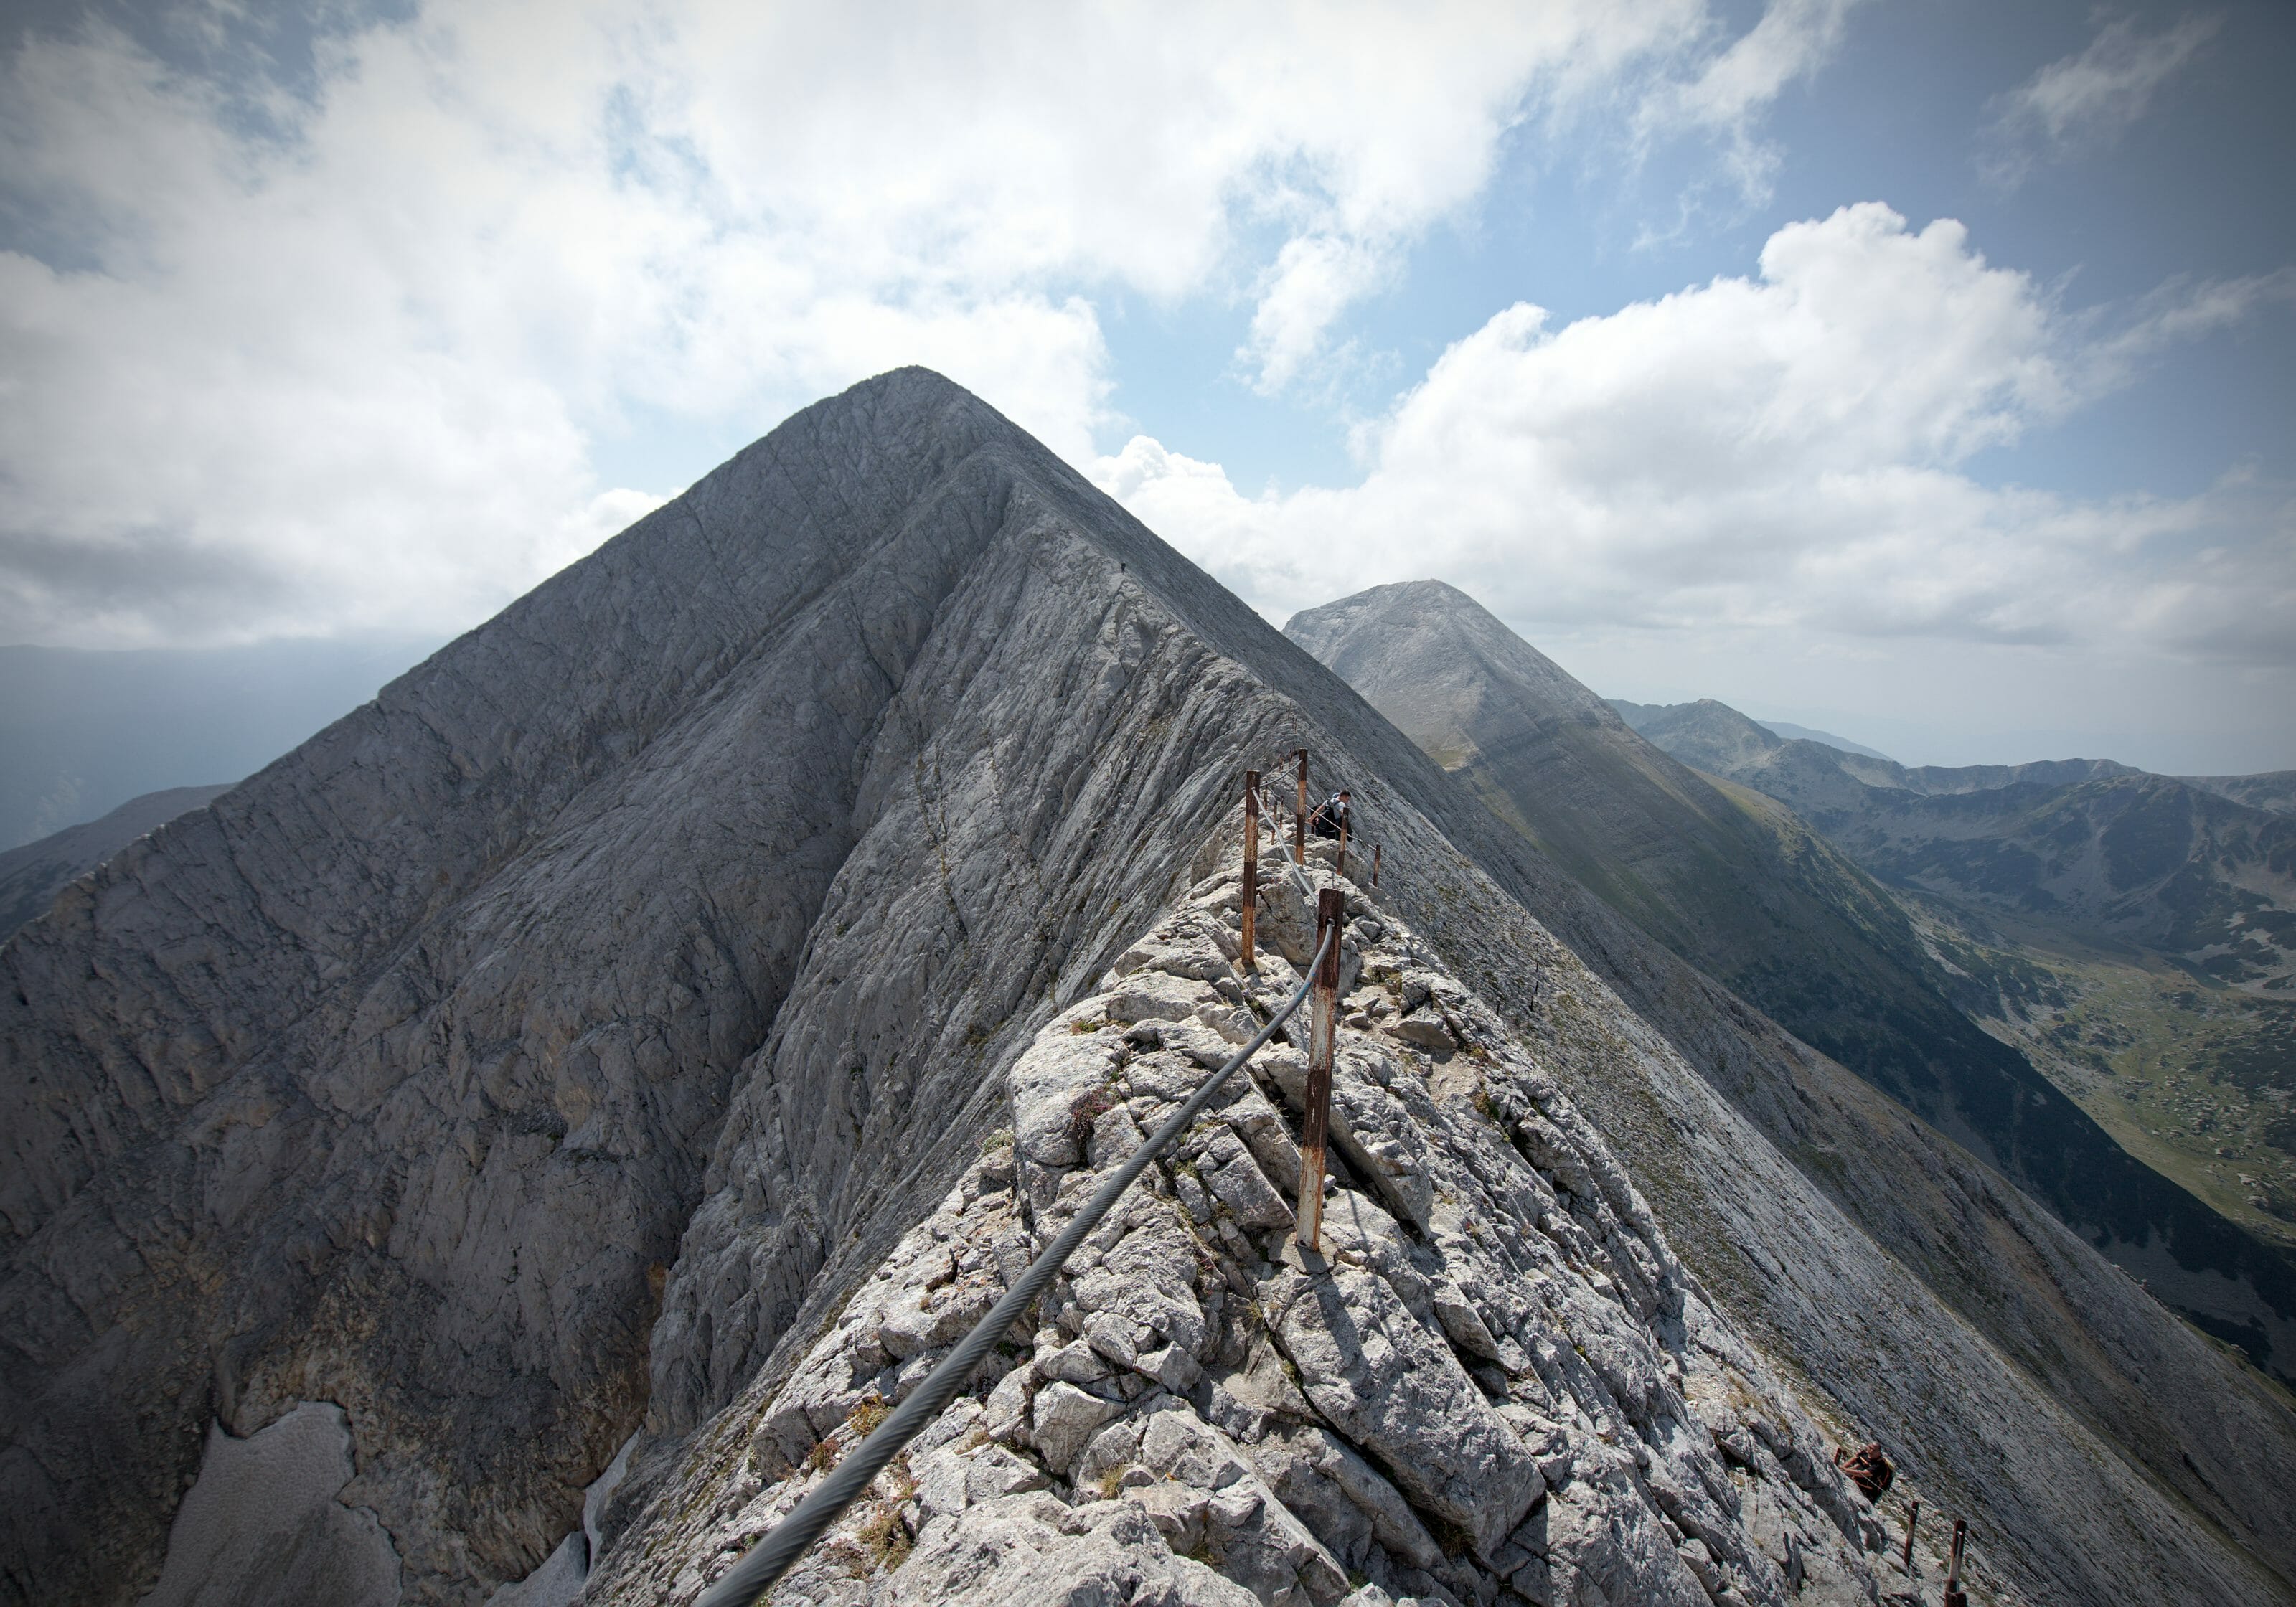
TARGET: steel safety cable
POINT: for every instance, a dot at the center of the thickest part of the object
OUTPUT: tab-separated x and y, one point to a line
762	1566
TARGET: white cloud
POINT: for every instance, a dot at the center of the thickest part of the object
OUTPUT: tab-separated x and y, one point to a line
1792	39
348	370
1788	452
1313	280
2089	99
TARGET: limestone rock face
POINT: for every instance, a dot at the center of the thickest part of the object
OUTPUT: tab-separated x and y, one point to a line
1561	1456
264	1526
552	1064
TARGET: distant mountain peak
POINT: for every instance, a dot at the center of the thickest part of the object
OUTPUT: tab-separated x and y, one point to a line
1706	734
1437	650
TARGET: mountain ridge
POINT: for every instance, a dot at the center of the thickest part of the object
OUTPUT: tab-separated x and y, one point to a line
32	874
2112	853
532	1061
1740	887
1638	714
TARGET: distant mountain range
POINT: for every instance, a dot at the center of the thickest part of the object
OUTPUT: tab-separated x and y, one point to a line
1636	713
2107	853
2130	933
2275	790
1768	873
82	732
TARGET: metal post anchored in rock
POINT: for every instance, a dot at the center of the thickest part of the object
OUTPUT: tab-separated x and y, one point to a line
1375	848
1913	1516
1343	845
1323	1028
1299	821
1250	865
1954	1596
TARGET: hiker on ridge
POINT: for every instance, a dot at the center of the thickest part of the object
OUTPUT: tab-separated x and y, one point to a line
1332	814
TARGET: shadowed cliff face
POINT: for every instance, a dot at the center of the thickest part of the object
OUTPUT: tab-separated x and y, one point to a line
1744	890
543	1051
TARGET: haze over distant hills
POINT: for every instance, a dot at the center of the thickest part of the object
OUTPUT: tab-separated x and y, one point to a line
2275	790
1636	714
83	731
32	875
2104	851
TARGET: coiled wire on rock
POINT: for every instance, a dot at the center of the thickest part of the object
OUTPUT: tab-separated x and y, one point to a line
763	1565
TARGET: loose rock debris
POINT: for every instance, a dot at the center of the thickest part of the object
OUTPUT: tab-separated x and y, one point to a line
1496	1384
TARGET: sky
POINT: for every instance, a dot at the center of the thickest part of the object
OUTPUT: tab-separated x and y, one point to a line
1920	370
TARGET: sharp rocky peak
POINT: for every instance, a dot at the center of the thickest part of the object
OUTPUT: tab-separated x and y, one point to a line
1427	656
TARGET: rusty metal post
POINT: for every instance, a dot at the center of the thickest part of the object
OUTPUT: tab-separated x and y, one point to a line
1375	850
1323	1029
1912	1517
1299	821
1250	865
1954	1596
1343	845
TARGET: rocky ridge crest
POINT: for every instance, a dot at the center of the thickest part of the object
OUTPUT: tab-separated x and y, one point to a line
1496	1384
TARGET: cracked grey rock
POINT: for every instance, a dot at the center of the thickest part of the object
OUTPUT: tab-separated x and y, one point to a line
1375	1374
1064	1419
1386	1438
1032	1548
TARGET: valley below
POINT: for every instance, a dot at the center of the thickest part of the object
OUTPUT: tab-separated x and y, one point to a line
2132	936
2194	1079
